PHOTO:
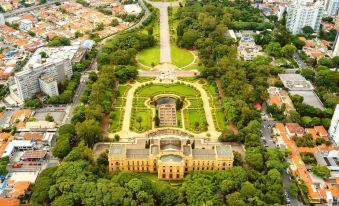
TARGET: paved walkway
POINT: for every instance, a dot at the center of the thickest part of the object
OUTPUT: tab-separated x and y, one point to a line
207	108
165	46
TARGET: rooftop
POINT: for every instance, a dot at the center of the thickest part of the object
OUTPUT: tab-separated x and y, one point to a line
203	153
171	158
137	153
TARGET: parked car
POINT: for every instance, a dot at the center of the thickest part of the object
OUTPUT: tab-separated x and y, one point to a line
16	165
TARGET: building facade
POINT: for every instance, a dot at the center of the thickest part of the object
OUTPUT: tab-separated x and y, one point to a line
169	156
47	67
2	20
334	128
48	85
27	81
332	7
301	13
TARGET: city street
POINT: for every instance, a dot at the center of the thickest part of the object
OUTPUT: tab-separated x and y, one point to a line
293	201
267	142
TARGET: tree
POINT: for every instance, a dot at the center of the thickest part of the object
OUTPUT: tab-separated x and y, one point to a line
335	62
293	188
90	131
325	61
42	185
59	41
125	73
31	33
116	137
321	171
139	120
49	118
307	30
115	22
62	147
309	74
288	50
274	49
188	39
254	158
235	199
196	125
248	190
294	116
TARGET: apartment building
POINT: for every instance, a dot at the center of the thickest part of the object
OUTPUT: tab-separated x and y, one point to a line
46	68
334	128
170	156
301	13
27	82
332	7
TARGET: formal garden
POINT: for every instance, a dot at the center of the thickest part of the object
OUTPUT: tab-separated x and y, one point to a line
192	113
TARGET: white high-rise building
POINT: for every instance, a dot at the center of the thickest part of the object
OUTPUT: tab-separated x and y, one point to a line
332	7
45	69
301	13
48	85
334	128
336	46
2	20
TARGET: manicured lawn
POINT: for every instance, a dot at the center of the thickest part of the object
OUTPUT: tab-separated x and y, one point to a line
122	89
193	67
220	119
145	79
195	115
178	89
145	124
120	102
139	102
116	117
180	57
195	103
149	56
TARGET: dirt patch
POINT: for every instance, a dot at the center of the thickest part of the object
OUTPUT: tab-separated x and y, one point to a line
105	125
233	128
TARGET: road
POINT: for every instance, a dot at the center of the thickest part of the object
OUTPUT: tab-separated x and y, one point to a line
28	9
293	201
266	140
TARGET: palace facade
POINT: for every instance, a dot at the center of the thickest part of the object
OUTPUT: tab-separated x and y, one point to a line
170	154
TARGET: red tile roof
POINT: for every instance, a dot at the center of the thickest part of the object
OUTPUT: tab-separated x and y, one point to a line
9	201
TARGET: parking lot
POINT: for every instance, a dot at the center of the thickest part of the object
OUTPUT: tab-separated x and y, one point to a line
58	116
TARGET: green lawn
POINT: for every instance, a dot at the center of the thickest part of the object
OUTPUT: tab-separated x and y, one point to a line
195	115
220	120
139	102
212	90
145	124
120	102
116	117
149	56
144	79
195	103
180	57
178	89
122	89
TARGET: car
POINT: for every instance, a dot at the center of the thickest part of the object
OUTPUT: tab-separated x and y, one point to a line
16	165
